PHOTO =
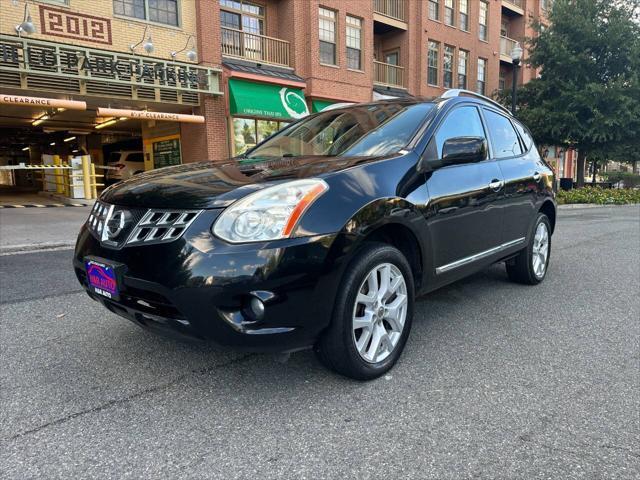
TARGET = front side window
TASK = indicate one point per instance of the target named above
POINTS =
(327, 30)
(159, 11)
(484, 13)
(432, 61)
(434, 9)
(504, 139)
(463, 7)
(463, 60)
(354, 43)
(462, 122)
(449, 13)
(482, 73)
(447, 66)
(367, 130)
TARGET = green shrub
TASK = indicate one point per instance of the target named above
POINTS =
(631, 180)
(599, 196)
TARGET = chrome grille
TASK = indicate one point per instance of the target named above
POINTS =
(159, 226)
(116, 226)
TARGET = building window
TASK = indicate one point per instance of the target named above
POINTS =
(447, 66)
(449, 12)
(463, 7)
(501, 81)
(432, 71)
(159, 11)
(327, 28)
(242, 15)
(483, 19)
(463, 60)
(434, 9)
(354, 43)
(482, 76)
(247, 132)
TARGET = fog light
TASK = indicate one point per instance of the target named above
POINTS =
(257, 308)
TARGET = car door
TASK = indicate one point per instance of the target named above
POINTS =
(465, 221)
(517, 161)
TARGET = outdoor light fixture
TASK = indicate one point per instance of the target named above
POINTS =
(69, 139)
(27, 25)
(146, 44)
(25, 149)
(516, 57)
(191, 53)
(107, 123)
(40, 120)
(52, 143)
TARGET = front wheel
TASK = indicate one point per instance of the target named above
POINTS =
(372, 315)
(531, 264)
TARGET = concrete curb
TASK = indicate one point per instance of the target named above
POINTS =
(37, 247)
(572, 206)
(68, 201)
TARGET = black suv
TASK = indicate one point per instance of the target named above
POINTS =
(322, 235)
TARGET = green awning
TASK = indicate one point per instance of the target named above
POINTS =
(266, 100)
(320, 105)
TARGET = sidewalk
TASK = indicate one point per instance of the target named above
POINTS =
(24, 229)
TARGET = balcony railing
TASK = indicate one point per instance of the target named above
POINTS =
(254, 47)
(390, 8)
(517, 3)
(388, 75)
(506, 46)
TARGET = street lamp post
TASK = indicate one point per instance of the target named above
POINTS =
(516, 57)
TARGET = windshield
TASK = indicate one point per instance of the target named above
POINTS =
(367, 130)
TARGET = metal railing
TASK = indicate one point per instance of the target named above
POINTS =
(258, 48)
(517, 3)
(391, 8)
(506, 45)
(387, 74)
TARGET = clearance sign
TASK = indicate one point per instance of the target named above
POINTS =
(42, 102)
(145, 115)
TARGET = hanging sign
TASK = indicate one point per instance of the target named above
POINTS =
(146, 115)
(40, 102)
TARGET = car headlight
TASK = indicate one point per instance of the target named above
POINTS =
(268, 214)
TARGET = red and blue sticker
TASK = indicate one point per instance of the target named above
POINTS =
(102, 279)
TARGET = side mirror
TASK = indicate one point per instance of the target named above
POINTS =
(460, 150)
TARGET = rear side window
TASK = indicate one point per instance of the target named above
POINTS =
(462, 122)
(524, 135)
(135, 157)
(503, 137)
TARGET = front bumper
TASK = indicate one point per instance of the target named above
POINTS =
(199, 287)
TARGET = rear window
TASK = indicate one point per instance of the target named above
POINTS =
(135, 157)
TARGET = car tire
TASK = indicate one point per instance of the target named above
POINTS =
(351, 350)
(531, 264)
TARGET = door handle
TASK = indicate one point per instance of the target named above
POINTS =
(536, 176)
(496, 185)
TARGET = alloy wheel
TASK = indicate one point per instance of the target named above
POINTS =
(380, 312)
(540, 250)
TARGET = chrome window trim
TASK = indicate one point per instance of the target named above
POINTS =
(478, 256)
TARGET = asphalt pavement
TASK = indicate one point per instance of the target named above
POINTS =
(498, 380)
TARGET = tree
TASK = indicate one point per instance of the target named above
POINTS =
(588, 92)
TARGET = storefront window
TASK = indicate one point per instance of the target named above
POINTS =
(249, 131)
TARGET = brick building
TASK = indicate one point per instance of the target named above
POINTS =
(245, 67)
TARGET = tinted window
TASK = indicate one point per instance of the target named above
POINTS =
(379, 129)
(462, 122)
(135, 157)
(503, 137)
(524, 135)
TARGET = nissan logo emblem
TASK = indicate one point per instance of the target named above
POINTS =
(114, 224)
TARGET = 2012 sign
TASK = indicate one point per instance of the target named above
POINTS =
(63, 23)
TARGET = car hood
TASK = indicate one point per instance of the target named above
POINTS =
(218, 184)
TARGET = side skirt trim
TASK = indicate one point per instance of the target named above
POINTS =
(478, 256)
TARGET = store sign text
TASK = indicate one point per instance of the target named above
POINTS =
(41, 58)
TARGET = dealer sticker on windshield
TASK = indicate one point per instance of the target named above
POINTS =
(102, 279)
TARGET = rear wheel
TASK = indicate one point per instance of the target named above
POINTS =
(530, 266)
(372, 316)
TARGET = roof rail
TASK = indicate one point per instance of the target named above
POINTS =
(458, 92)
